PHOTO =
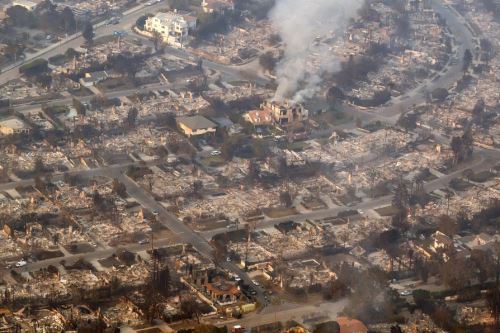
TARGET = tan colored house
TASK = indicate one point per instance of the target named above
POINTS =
(172, 27)
(196, 125)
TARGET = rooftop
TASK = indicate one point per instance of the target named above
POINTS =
(196, 122)
(13, 122)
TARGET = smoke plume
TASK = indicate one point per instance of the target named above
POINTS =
(306, 26)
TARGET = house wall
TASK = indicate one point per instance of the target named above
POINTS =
(189, 132)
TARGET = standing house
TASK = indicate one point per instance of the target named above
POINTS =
(27, 4)
(172, 27)
(196, 125)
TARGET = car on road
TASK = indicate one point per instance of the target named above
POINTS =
(256, 283)
(21, 263)
(156, 213)
(119, 33)
(237, 278)
(114, 21)
(215, 152)
(405, 293)
(143, 241)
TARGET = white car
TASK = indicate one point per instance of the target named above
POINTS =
(256, 283)
(21, 263)
(405, 292)
(215, 152)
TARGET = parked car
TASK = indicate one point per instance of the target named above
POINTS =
(21, 263)
(405, 292)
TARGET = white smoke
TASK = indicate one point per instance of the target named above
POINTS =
(303, 25)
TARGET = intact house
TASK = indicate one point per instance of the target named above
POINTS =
(13, 125)
(196, 125)
(26, 4)
(172, 27)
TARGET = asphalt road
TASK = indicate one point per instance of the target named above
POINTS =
(450, 74)
(182, 231)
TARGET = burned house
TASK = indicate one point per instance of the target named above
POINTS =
(286, 114)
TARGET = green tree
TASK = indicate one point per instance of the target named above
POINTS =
(69, 20)
(467, 60)
(267, 61)
(35, 68)
(478, 112)
(401, 197)
(327, 327)
(20, 16)
(132, 116)
(141, 21)
(231, 144)
(88, 33)
(440, 94)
